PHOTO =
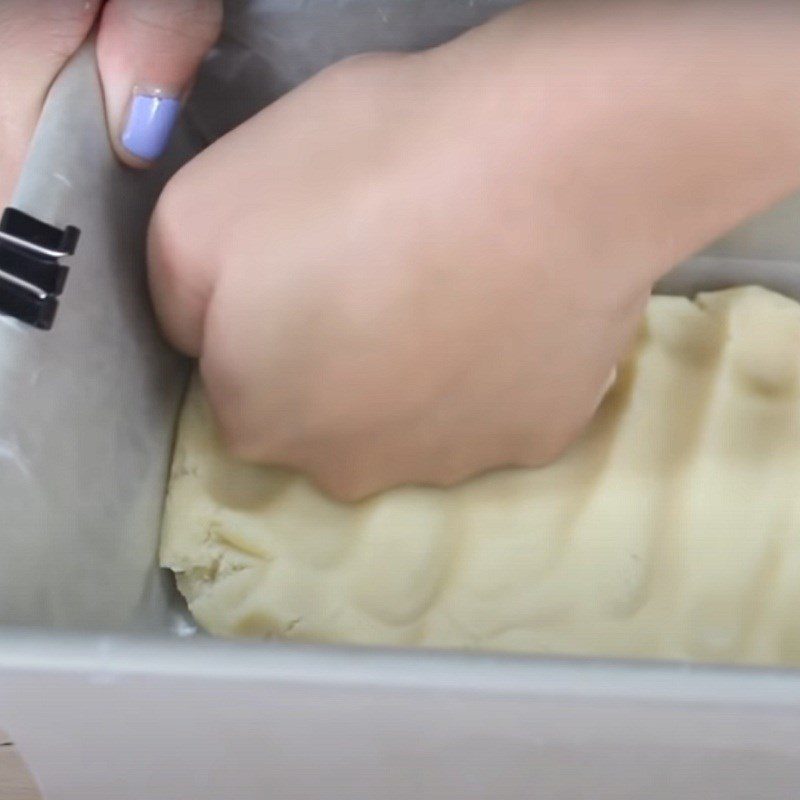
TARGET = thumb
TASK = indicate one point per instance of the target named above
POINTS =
(148, 52)
(37, 37)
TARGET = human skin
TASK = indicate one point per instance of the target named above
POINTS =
(154, 42)
(414, 268)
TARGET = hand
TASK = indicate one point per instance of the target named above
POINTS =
(417, 267)
(367, 293)
(153, 44)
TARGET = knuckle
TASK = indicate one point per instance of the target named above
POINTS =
(360, 71)
(447, 478)
(245, 430)
(368, 60)
(197, 20)
(68, 23)
(339, 473)
(345, 489)
(69, 12)
(240, 447)
(545, 448)
(167, 238)
(229, 423)
(181, 269)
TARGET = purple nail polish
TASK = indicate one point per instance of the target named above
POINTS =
(151, 119)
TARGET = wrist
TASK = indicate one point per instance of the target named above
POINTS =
(647, 130)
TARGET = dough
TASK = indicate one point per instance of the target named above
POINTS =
(672, 529)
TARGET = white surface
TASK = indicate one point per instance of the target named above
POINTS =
(122, 718)
(102, 719)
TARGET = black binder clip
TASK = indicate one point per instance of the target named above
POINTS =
(31, 277)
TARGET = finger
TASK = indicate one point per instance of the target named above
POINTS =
(37, 37)
(148, 52)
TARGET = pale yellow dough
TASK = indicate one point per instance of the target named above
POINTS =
(671, 530)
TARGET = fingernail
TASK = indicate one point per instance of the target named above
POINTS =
(607, 386)
(610, 381)
(151, 118)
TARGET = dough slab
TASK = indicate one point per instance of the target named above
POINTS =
(671, 530)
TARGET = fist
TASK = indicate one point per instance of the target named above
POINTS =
(384, 278)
